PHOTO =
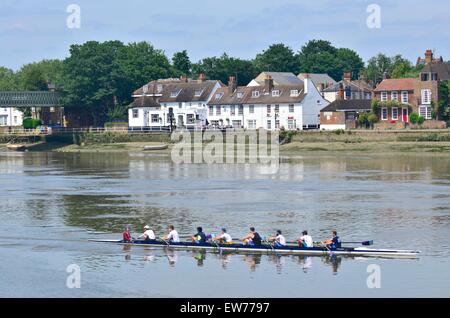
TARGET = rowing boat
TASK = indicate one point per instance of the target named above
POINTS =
(270, 249)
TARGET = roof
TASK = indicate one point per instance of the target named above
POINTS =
(223, 97)
(279, 78)
(145, 101)
(349, 105)
(178, 90)
(356, 86)
(441, 68)
(318, 78)
(396, 84)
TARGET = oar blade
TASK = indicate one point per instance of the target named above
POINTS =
(367, 243)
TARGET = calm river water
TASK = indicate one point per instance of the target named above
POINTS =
(52, 204)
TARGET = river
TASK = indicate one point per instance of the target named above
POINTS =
(53, 203)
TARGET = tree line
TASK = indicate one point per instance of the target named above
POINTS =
(101, 76)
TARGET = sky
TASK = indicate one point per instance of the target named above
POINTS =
(33, 30)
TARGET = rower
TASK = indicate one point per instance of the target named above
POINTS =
(334, 242)
(306, 240)
(126, 235)
(148, 235)
(252, 238)
(279, 239)
(173, 236)
(200, 237)
(224, 237)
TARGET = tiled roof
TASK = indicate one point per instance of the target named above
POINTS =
(441, 68)
(318, 78)
(279, 78)
(397, 84)
(356, 86)
(347, 105)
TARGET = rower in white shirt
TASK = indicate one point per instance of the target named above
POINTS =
(279, 239)
(306, 240)
(148, 234)
(224, 237)
(173, 236)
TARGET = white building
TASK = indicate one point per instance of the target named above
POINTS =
(10, 116)
(270, 106)
(186, 98)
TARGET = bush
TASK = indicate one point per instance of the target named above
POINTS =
(414, 118)
(362, 119)
(372, 118)
(421, 120)
(339, 131)
(30, 123)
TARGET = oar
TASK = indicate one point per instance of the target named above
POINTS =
(362, 243)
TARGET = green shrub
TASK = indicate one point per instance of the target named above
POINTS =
(414, 118)
(363, 119)
(421, 120)
(372, 118)
(339, 131)
(30, 123)
(116, 124)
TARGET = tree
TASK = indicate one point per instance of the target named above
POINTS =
(277, 58)
(319, 56)
(37, 76)
(181, 63)
(221, 68)
(378, 67)
(8, 80)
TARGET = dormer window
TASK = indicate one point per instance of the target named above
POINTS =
(240, 95)
(219, 95)
(145, 88)
(255, 94)
(159, 88)
(294, 92)
(276, 93)
(174, 94)
(198, 92)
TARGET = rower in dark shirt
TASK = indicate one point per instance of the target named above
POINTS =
(200, 237)
(334, 242)
(252, 238)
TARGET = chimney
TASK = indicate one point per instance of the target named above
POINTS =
(340, 94)
(201, 77)
(232, 85)
(268, 83)
(184, 79)
(347, 76)
(306, 84)
(428, 56)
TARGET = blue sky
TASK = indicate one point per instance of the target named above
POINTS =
(33, 30)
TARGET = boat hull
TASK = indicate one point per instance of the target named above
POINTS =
(268, 249)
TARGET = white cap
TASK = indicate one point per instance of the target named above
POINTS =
(146, 227)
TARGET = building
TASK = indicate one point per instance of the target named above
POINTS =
(321, 81)
(185, 98)
(353, 89)
(279, 78)
(10, 116)
(398, 99)
(271, 106)
(343, 114)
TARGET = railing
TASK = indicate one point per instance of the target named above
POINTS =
(62, 130)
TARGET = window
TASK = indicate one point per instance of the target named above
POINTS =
(52, 109)
(255, 94)
(241, 110)
(15, 120)
(237, 123)
(198, 92)
(276, 93)
(291, 108)
(240, 95)
(211, 110)
(218, 110)
(394, 96)
(190, 118)
(291, 124)
(145, 88)
(232, 110)
(277, 109)
(434, 76)
(219, 95)
(424, 77)
(384, 96)
(174, 94)
(269, 125)
(159, 88)
(251, 124)
(405, 97)
(135, 113)
(394, 113)
(155, 119)
(269, 109)
(426, 96)
(277, 124)
(294, 92)
(251, 109)
(425, 111)
(3, 120)
(384, 113)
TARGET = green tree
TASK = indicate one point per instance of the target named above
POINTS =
(221, 68)
(378, 67)
(8, 80)
(181, 63)
(37, 76)
(277, 58)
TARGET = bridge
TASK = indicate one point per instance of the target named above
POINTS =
(22, 99)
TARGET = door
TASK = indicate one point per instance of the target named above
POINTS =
(405, 116)
(146, 119)
(180, 122)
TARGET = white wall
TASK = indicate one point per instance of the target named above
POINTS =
(10, 117)
(312, 104)
(332, 127)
